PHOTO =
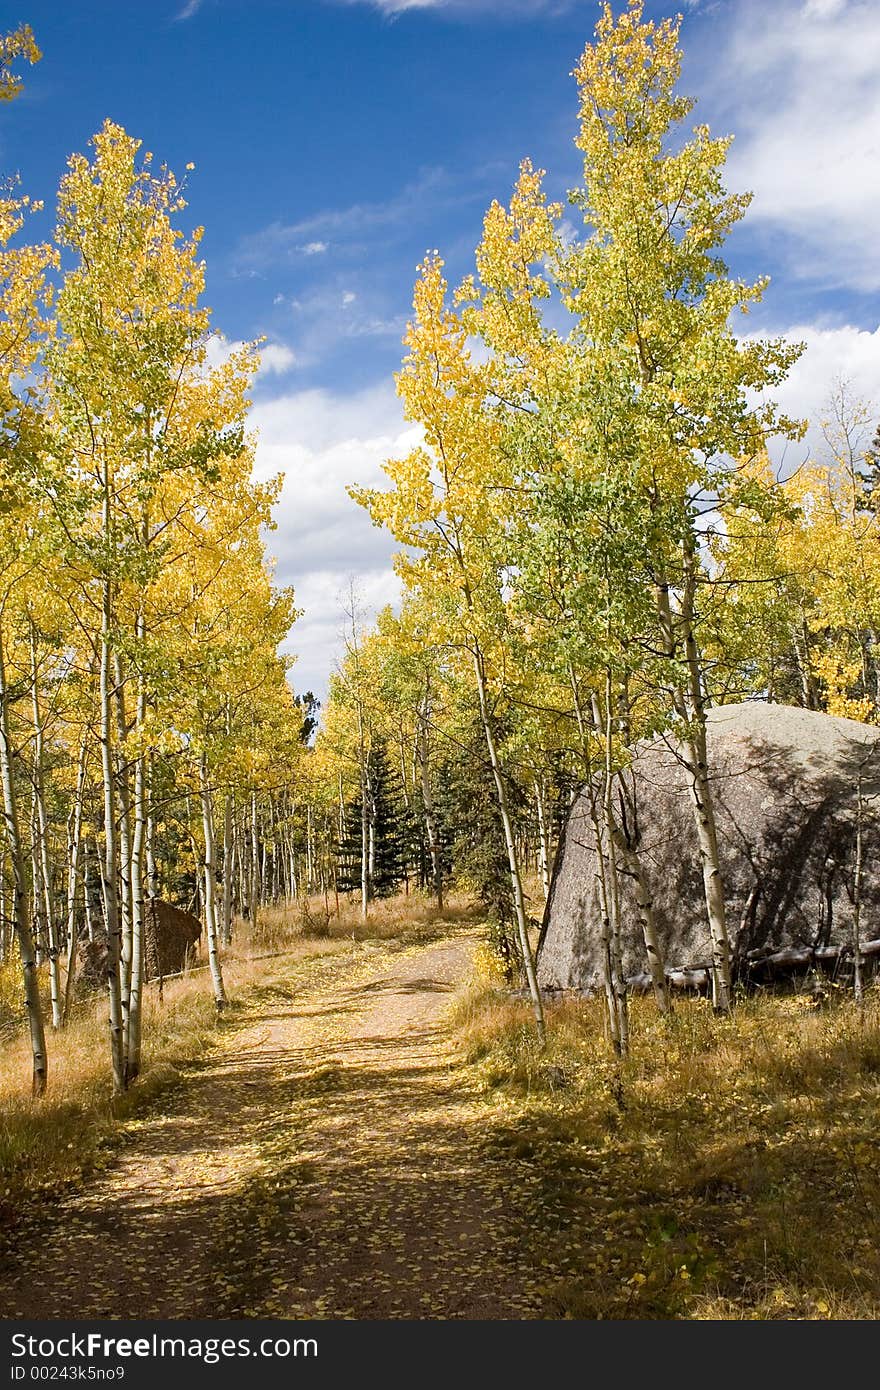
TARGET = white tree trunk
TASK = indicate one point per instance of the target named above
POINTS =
(20, 905)
(138, 905)
(510, 843)
(73, 854)
(428, 803)
(42, 867)
(111, 857)
(125, 851)
(543, 848)
(211, 886)
(228, 866)
(690, 706)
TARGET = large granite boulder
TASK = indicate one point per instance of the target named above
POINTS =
(790, 787)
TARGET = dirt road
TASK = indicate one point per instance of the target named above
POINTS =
(326, 1162)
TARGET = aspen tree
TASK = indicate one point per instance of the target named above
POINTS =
(446, 501)
(24, 300)
(145, 436)
(653, 301)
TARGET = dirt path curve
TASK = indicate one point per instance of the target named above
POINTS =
(325, 1163)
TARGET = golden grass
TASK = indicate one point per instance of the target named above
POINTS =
(729, 1169)
(409, 917)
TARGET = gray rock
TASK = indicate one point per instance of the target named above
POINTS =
(785, 785)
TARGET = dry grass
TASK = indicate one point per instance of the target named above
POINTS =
(729, 1169)
(406, 917)
(10, 996)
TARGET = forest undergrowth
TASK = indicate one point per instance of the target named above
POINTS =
(728, 1169)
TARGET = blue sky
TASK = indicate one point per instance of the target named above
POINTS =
(336, 140)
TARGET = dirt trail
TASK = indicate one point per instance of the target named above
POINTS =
(327, 1163)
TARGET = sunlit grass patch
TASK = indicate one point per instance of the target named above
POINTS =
(410, 917)
(727, 1169)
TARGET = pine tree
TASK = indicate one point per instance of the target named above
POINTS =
(390, 832)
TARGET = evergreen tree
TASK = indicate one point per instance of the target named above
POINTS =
(391, 832)
(477, 843)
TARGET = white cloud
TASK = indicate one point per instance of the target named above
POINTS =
(322, 442)
(512, 8)
(317, 638)
(832, 354)
(823, 9)
(797, 84)
(190, 8)
(276, 359)
(415, 204)
(319, 324)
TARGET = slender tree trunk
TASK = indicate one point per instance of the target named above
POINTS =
(604, 890)
(600, 890)
(510, 843)
(701, 794)
(198, 886)
(274, 892)
(645, 903)
(625, 837)
(801, 645)
(138, 905)
(365, 820)
(617, 975)
(228, 865)
(428, 804)
(153, 884)
(5, 927)
(310, 851)
(372, 856)
(20, 906)
(858, 983)
(543, 849)
(690, 706)
(91, 882)
(125, 850)
(73, 853)
(42, 893)
(111, 857)
(255, 865)
(41, 848)
(211, 886)
(41, 936)
(238, 841)
(601, 887)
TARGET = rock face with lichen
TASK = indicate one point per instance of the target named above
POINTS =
(791, 788)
